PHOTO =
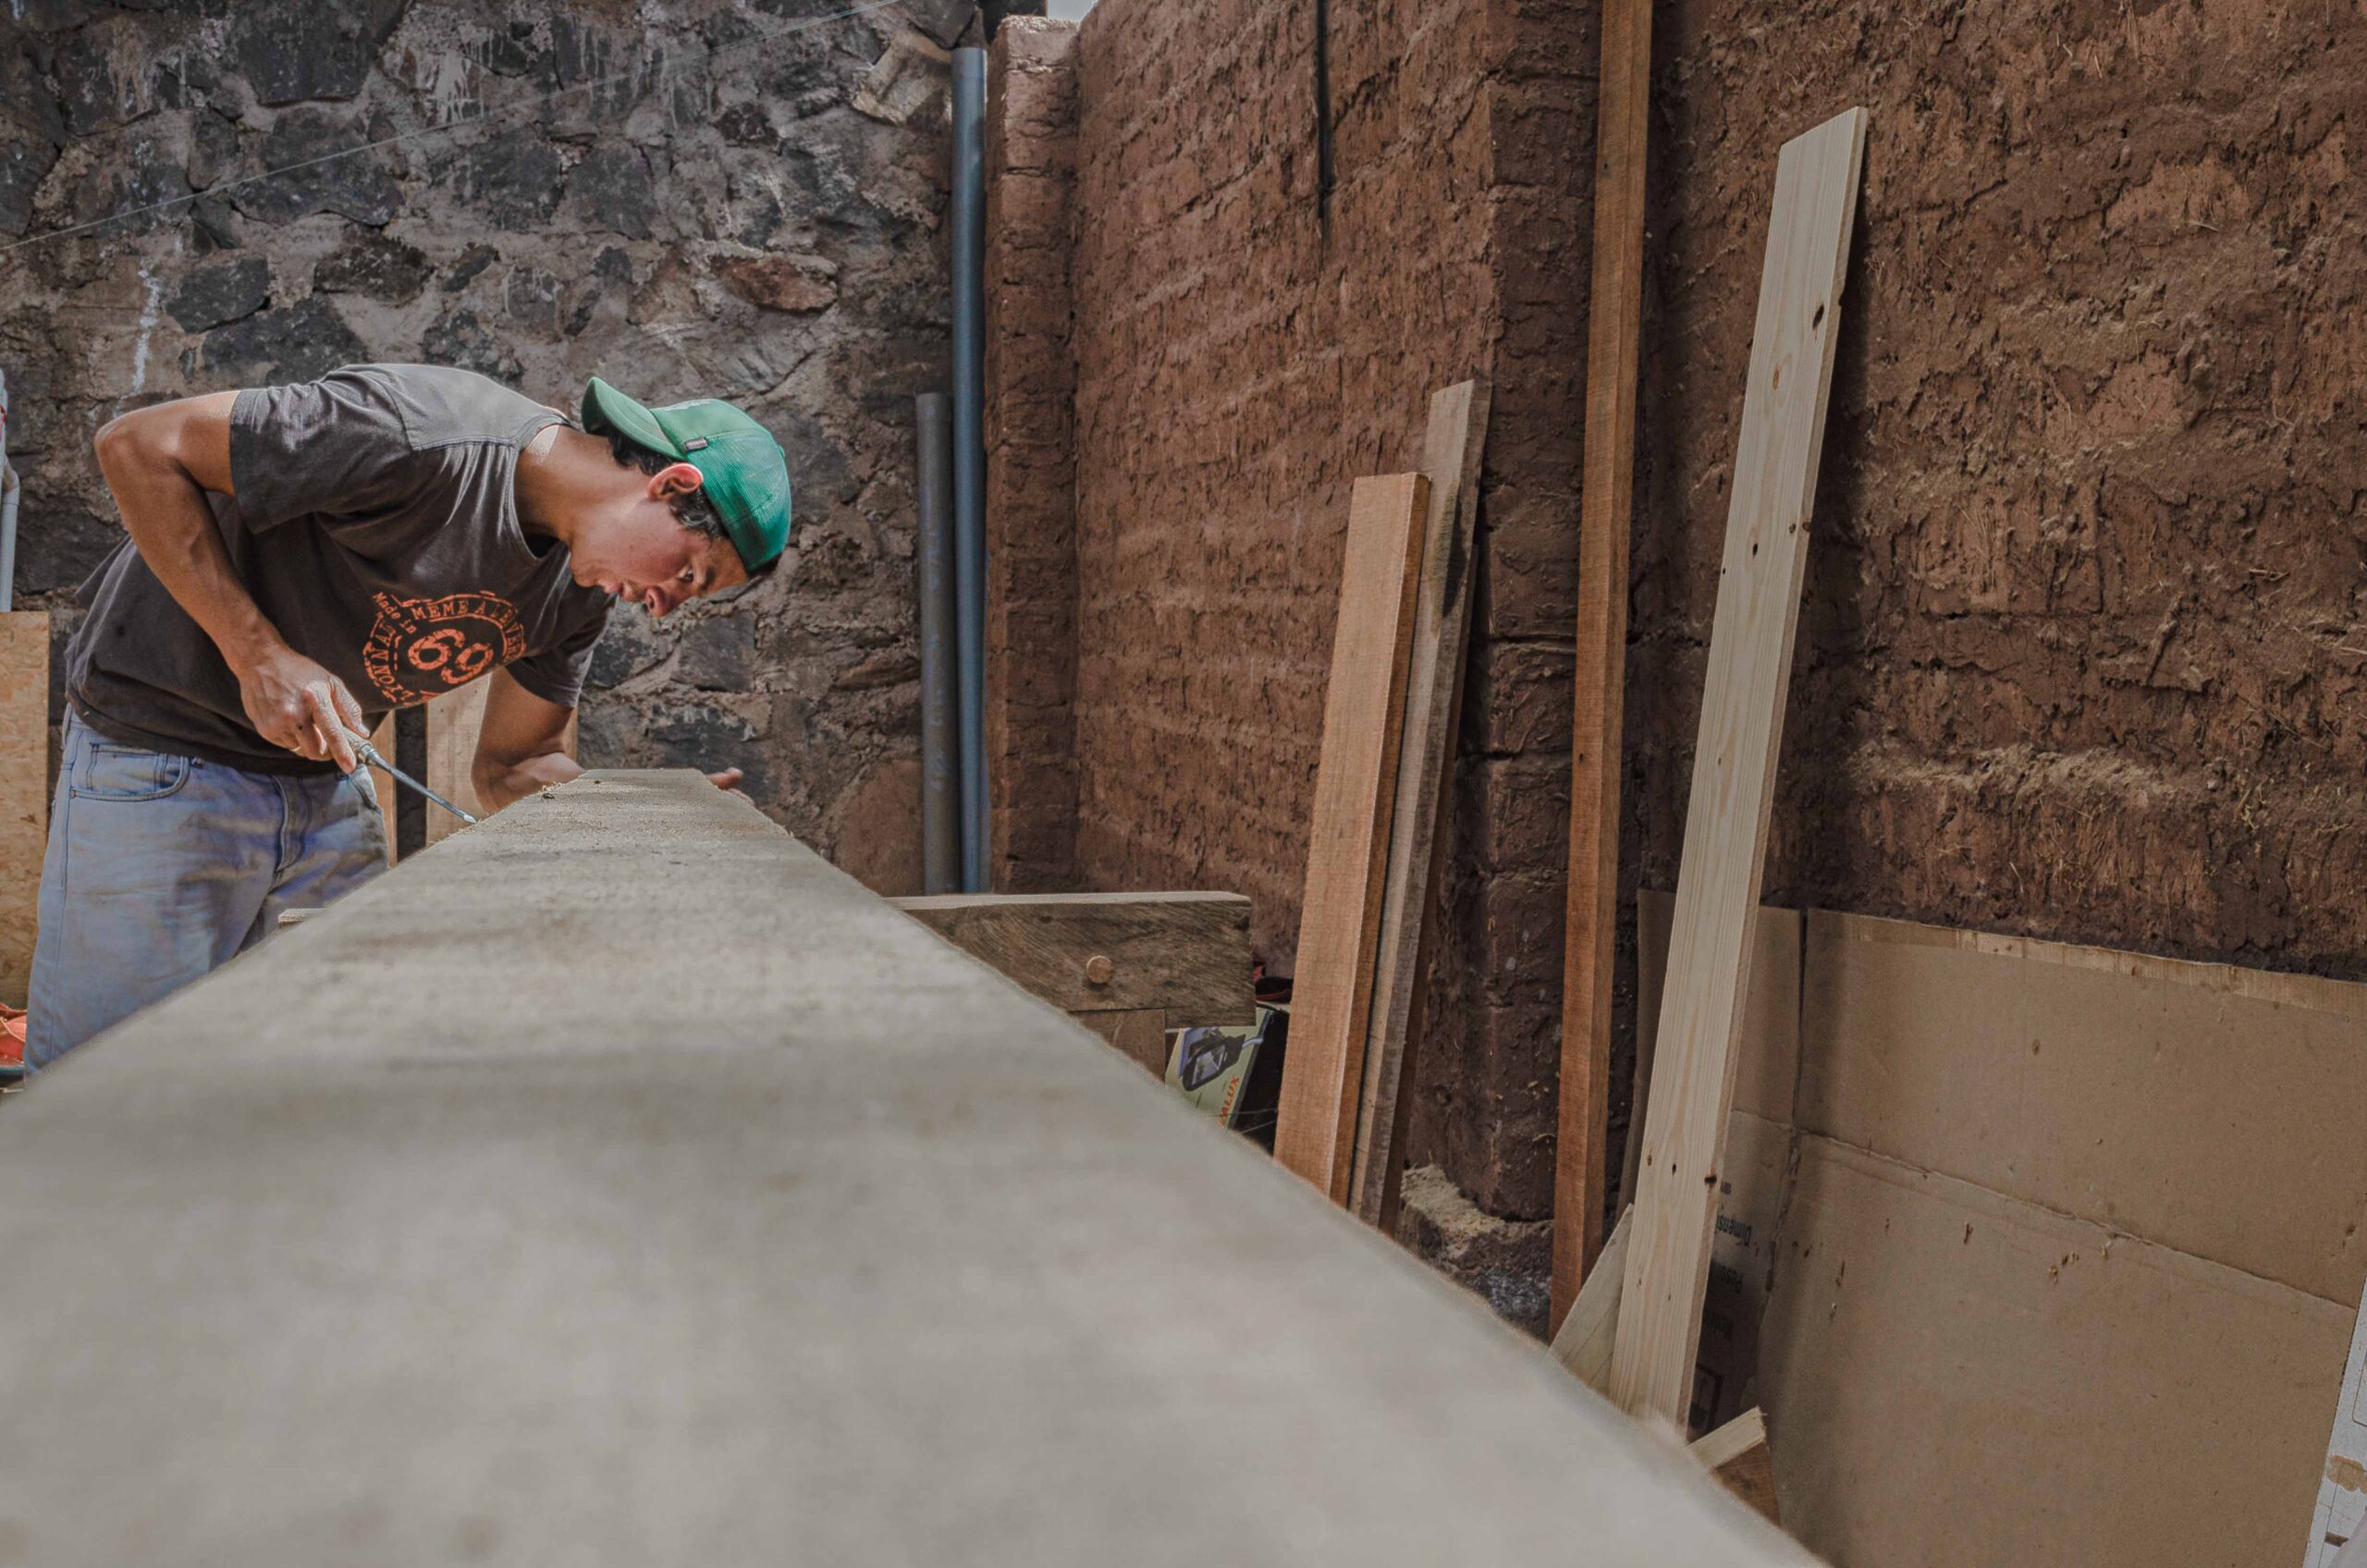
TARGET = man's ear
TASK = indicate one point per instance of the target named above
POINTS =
(674, 479)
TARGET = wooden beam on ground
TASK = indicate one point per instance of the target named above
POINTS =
(1737, 1455)
(1583, 1342)
(1356, 784)
(1614, 311)
(402, 1229)
(24, 790)
(1734, 768)
(1418, 834)
(1183, 954)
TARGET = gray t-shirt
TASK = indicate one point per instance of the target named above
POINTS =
(376, 526)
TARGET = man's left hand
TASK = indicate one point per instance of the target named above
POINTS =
(729, 777)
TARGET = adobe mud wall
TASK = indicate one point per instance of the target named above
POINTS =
(700, 210)
(2077, 650)
(1031, 456)
(2082, 652)
(1247, 344)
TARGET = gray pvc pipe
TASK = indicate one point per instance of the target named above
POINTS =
(969, 449)
(9, 490)
(940, 721)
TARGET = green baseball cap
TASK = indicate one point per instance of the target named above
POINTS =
(743, 472)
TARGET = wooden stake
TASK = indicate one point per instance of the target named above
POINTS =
(1355, 782)
(1736, 1454)
(1583, 1343)
(1418, 834)
(1613, 313)
(1733, 766)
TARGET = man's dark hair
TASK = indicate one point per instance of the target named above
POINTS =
(691, 508)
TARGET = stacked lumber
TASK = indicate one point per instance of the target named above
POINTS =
(1348, 844)
(1366, 927)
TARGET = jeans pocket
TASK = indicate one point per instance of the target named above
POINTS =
(126, 773)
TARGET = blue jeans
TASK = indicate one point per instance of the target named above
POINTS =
(163, 867)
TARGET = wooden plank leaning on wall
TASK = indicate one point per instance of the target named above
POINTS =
(1734, 768)
(1614, 311)
(24, 790)
(1355, 783)
(1418, 834)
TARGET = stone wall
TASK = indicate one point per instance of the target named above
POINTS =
(686, 201)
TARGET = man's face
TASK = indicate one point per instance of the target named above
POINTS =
(640, 553)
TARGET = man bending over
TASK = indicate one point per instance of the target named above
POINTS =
(301, 560)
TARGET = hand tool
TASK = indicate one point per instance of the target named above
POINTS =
(369, 753)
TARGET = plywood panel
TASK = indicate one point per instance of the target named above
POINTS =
(1450, 450)
(1733, 767)
(2201, 1106)
(1958, 1379)
(1355, 782)
(2160, 1098)
(24, 790)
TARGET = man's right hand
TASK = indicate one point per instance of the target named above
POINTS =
(293, 702)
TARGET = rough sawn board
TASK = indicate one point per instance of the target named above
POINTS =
(1451, 450)
(1355, 782)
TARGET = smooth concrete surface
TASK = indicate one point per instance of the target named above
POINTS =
(618, 1183)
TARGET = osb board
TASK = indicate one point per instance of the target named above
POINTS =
(24, 790)
(2189, 1114)
(1957, 1379)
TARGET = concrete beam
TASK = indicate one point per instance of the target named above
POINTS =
(618, 1183)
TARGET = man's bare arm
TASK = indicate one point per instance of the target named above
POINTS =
(160, 461)
(521, 749)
